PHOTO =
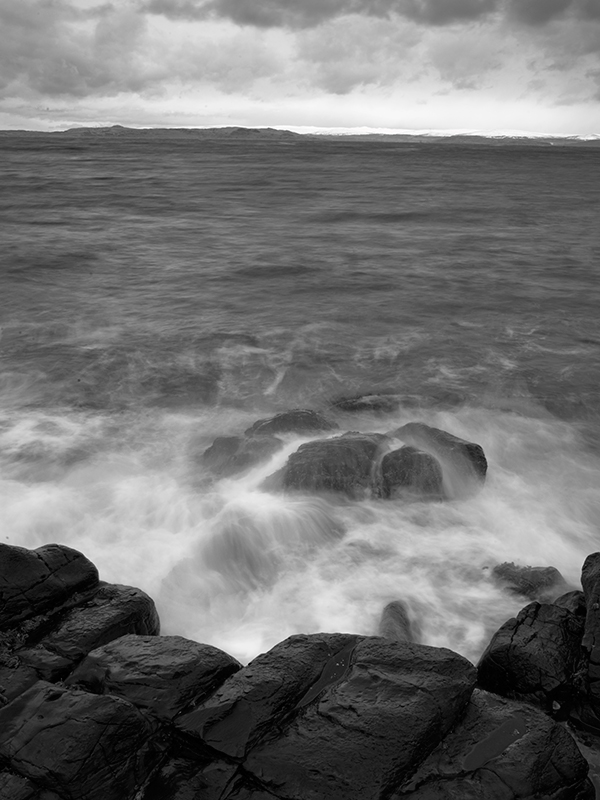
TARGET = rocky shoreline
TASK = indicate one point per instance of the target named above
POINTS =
(96, 705)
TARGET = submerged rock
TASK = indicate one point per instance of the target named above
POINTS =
(382, 403)
(537, 583)
(502, 749)
(229, 455)
(298, 420)
(464, 464)
(411, 472)
(343, 464)
(534, 656)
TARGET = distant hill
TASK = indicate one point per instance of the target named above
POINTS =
(272, 135)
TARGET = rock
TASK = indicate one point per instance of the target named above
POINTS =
(382, 403)
(160, 674)
(299, 421)
(395, 623)
(409, 471)
(369, 729)
(464, 465)
(261, 694)
(501, 750)
(15, 787)
(586, 712)
(33, 581)
(112, 612)
(344, 464)
(79, 745)
(183, 779)
(537, 583)
(573, 602)
(229, 455)
(534, 656)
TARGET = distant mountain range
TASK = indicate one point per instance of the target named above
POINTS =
(498, 139)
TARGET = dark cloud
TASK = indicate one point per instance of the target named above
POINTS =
(541, 12)
(297, 14)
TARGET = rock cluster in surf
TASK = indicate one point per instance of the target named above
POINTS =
(431, 464)
(96, 705)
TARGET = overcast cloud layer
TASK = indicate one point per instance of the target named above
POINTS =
(443, 64)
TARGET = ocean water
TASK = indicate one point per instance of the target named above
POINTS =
(158, 292)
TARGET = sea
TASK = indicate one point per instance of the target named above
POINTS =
(159, 291)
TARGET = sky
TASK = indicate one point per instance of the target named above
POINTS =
(481, 65)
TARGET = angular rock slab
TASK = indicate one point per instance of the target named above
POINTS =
(81, 746)
(590, 580)
(34, 581)
(534, 655)
(268, 689)
(112, 612)
(464, 464)
(182, 779)
(298, 420)
(16, 787)
(368, 730)
(344, 464)
(161, 674)
(502, 750)
(409, 471)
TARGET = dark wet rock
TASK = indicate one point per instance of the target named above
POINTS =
(395, 623)
(184, 779)
(501, 750)
(16, 787)
(261, 694)
(33, 581)
(464, 464)
(573, 602)
(79, 745)
(534, 656)
(113, 611)
(229, 455)
(367, 730)
(411, 472)
(536, 583)
(343, 464)
(299, 421)
(382, 403)
(160, 674)
(586, 711)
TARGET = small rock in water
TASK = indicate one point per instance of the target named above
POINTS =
(536, 583)
(382, 403)
(395, 623)
(229, 455)
(296, 421)
(464, 465)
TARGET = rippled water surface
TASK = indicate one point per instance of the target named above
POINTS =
(156, 294)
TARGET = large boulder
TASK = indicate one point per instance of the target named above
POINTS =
(344, 464)
(464, 464)
(160, 674)
(79, 745)
(586, 711)
(536, 583)
(33, 581)
(230, 455)
(501, 750)
(409, 472)
(300, 421)
(261, 694)
(534, 656)
(368, 729)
